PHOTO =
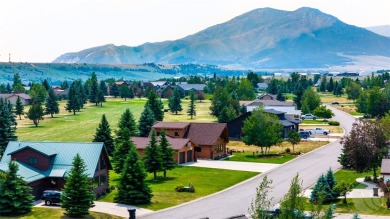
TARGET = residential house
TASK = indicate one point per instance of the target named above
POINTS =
(385, 170)
(183, 147)
(210, 139)
(44, 165)
(235, 126)
(284, 106)
(266, 96)
(186, 88)
(24, 98)
(167, 91)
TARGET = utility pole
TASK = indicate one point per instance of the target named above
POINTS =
(9, 58)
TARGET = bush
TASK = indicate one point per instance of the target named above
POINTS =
(288, 150)
(166, 110)
(112, 188)
(334, 123)
(367, 179)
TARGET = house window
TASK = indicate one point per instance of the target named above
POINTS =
(32, 161)
(96, 181)
(103, 179)
(198, 149)
(176, 133)
(157, 133)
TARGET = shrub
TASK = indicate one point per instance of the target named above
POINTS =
(367, 179)
(166, 110)
(334, 123)
(288, 150)
(112, 188)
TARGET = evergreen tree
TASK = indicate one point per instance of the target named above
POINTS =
(19, 108)
(122, 146)
(51, 103)
(330, 86)
(152, 159)
(101, 98)
(7, 125)
(220, 99)
(168, 163)
(131, 93)
(15, 194)
(280, 96)
(127, 121)
(46, 85)
(125, 91)
(36, 113)
(9, 88)
(103, 87)
(114, 90)
(81, 93)
(74, 100)
(175, 101)
(146, 121)
(77, 197)
(132, 188)
(155, 105)
(103, 134)
(228, 114)
(192, 108)
(323, 84)
(17, 81)
(94, 90)
(321, 187)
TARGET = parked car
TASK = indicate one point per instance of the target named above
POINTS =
(304, 134)
(309, 116)
(51, 197)
(318, 131)
(335, 103)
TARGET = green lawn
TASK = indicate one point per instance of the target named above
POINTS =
(249, 157)
(369, 206)
(317, 121)
(66, 127)
(351, 176)
(205, 180)
(44, 213)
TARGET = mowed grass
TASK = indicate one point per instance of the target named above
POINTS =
(351, 109)
(205, 180)
(44, 213)
(327, 97)
(246, 153)
(66, 127)
(367, 206)
(311, 122)
(350, 176)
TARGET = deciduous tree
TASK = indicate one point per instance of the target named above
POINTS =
(228, 114)
(294, 138)
(125, 91)
(292, 204)
(261, 204)
(310, 101)
(35, 113)
(323, 112)
(38, 93)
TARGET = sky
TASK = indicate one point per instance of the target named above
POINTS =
(42, 30)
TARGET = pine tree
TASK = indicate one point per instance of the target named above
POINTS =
(175, 101)
(103, 87)
(101, 98)
(192, 108)
(125, 91)
(51, 103)
(132, 188)
(19, 108)
(331, 85)
(82, 93)
(122, 146)
(74, 100)
(77, 196)
(152, 159)
(15, 194)
(321, 187)
(114, 90)
(7, 125)
(94, 90)
(146, 121)
(280, 96)
(227, 114)
(127, 121)
(103, 134)
(167, 153)
(332, 183)
(35, 113)
(46, 85)
(155, 105)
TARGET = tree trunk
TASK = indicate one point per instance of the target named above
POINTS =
(96, 103)
(74, 112)
(155, 176)
(175, 112)
(51, 115)
(375, 176)
(165, 174)
(35, 122)
(20, 117)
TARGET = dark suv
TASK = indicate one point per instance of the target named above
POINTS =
(304, 134)
(51, 197)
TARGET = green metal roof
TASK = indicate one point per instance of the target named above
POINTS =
(64, 153)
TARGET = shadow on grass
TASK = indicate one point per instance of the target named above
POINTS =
(160, 180)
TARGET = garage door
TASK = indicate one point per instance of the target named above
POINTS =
(189, 156)
(182, 157)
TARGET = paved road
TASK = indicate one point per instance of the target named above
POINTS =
(237, 199)
(233, 165)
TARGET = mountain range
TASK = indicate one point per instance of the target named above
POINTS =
(383, 30)
(259, 39)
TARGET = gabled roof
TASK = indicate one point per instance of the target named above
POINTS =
(158, 83)
(188, 87)
(172, 125)
(176, 143)
(207, 133)
(385, 167)
(64, 154)
(270, 103)
(21, 95)
(272, 111)
(292, 120)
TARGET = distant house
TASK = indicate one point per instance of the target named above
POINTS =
(167, 91)
(210, 139)
(385, 169)
(44, 165)
(266, 96)
(25, 98)
(235, 126)
(284, 106)
(262, 86)
(183, 147)
(186, 88)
